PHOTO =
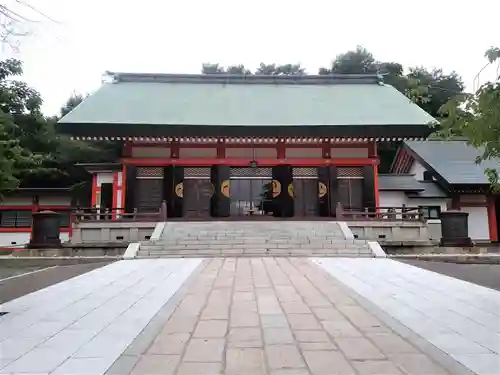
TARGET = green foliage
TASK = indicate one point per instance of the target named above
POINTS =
(15, 161)
(32, 153)
(263, 69)
(476, 116)
(18, 103)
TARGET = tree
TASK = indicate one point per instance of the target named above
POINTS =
(263, 69)
(40, 156)
(277, 70)
(209, 68)
(18, 102)
(358, 61)
(73, 101)
(17, 21)
(436, 88)
(15, 161)
(476, 116)
(428, 89)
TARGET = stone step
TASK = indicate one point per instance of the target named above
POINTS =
(188, 240)
(223, 239)
(254, 253)
(196, 246)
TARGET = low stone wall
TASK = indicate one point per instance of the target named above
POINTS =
(387, 232)
(104, 232)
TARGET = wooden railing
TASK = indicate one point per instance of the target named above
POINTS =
(402, 213)
(92, 214)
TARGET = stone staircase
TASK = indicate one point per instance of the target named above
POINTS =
(253, 239)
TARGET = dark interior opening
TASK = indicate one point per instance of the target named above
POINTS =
(106, 195)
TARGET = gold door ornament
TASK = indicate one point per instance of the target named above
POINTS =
(209, 189)
(276, 188)
(179, 190)
(224, 188)
(322, 190)
(291, 192)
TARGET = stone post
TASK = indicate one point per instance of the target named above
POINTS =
(163, 211)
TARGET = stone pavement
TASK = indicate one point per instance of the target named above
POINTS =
(276, 316)
(82, 325)
(460, 318)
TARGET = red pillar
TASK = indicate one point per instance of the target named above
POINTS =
(373, 153)
(96, 190)
(492, 219)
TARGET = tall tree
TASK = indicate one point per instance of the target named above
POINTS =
(357, 61)
(430, 89)
(263, 69)
(17, 101)
(209, 68)
(276, 70)
(437, 88)
(476, 116)
(17, 20)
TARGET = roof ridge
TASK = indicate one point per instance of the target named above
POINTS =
(305, 79)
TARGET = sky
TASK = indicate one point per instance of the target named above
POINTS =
(87, 38)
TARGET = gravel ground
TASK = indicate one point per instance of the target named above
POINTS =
(19, 286)
(481, 274)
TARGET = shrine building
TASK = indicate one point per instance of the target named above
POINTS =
(232, 146)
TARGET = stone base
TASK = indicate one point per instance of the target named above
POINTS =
(456, 241)
(46, 245)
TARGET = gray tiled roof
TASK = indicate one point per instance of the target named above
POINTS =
(410, 185)
(431, 190)
(453, 160)
(246, 101)
(398, 182)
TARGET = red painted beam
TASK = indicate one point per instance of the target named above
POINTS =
(149, 162)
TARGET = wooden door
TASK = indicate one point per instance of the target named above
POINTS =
(305, 197)
(197, 194)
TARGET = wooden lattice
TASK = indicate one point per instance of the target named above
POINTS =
(197, 172)
(251, 172)
(350, 172)
(305, 172)
(150, 172)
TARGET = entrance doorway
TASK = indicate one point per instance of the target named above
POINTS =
(305, 191)
(305, 197)
(197, 195)
(251, 191)
(251, 196)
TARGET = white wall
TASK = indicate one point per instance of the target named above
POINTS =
(51, 200)
(478, 216)
(10, 240)
(398, 198)
(418, 170)
(478, 223)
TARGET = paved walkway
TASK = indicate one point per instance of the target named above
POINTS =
(276, 316)
(460, 318)
(253, 316)
(81, 326)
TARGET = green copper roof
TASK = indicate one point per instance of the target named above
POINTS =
(257, 101)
